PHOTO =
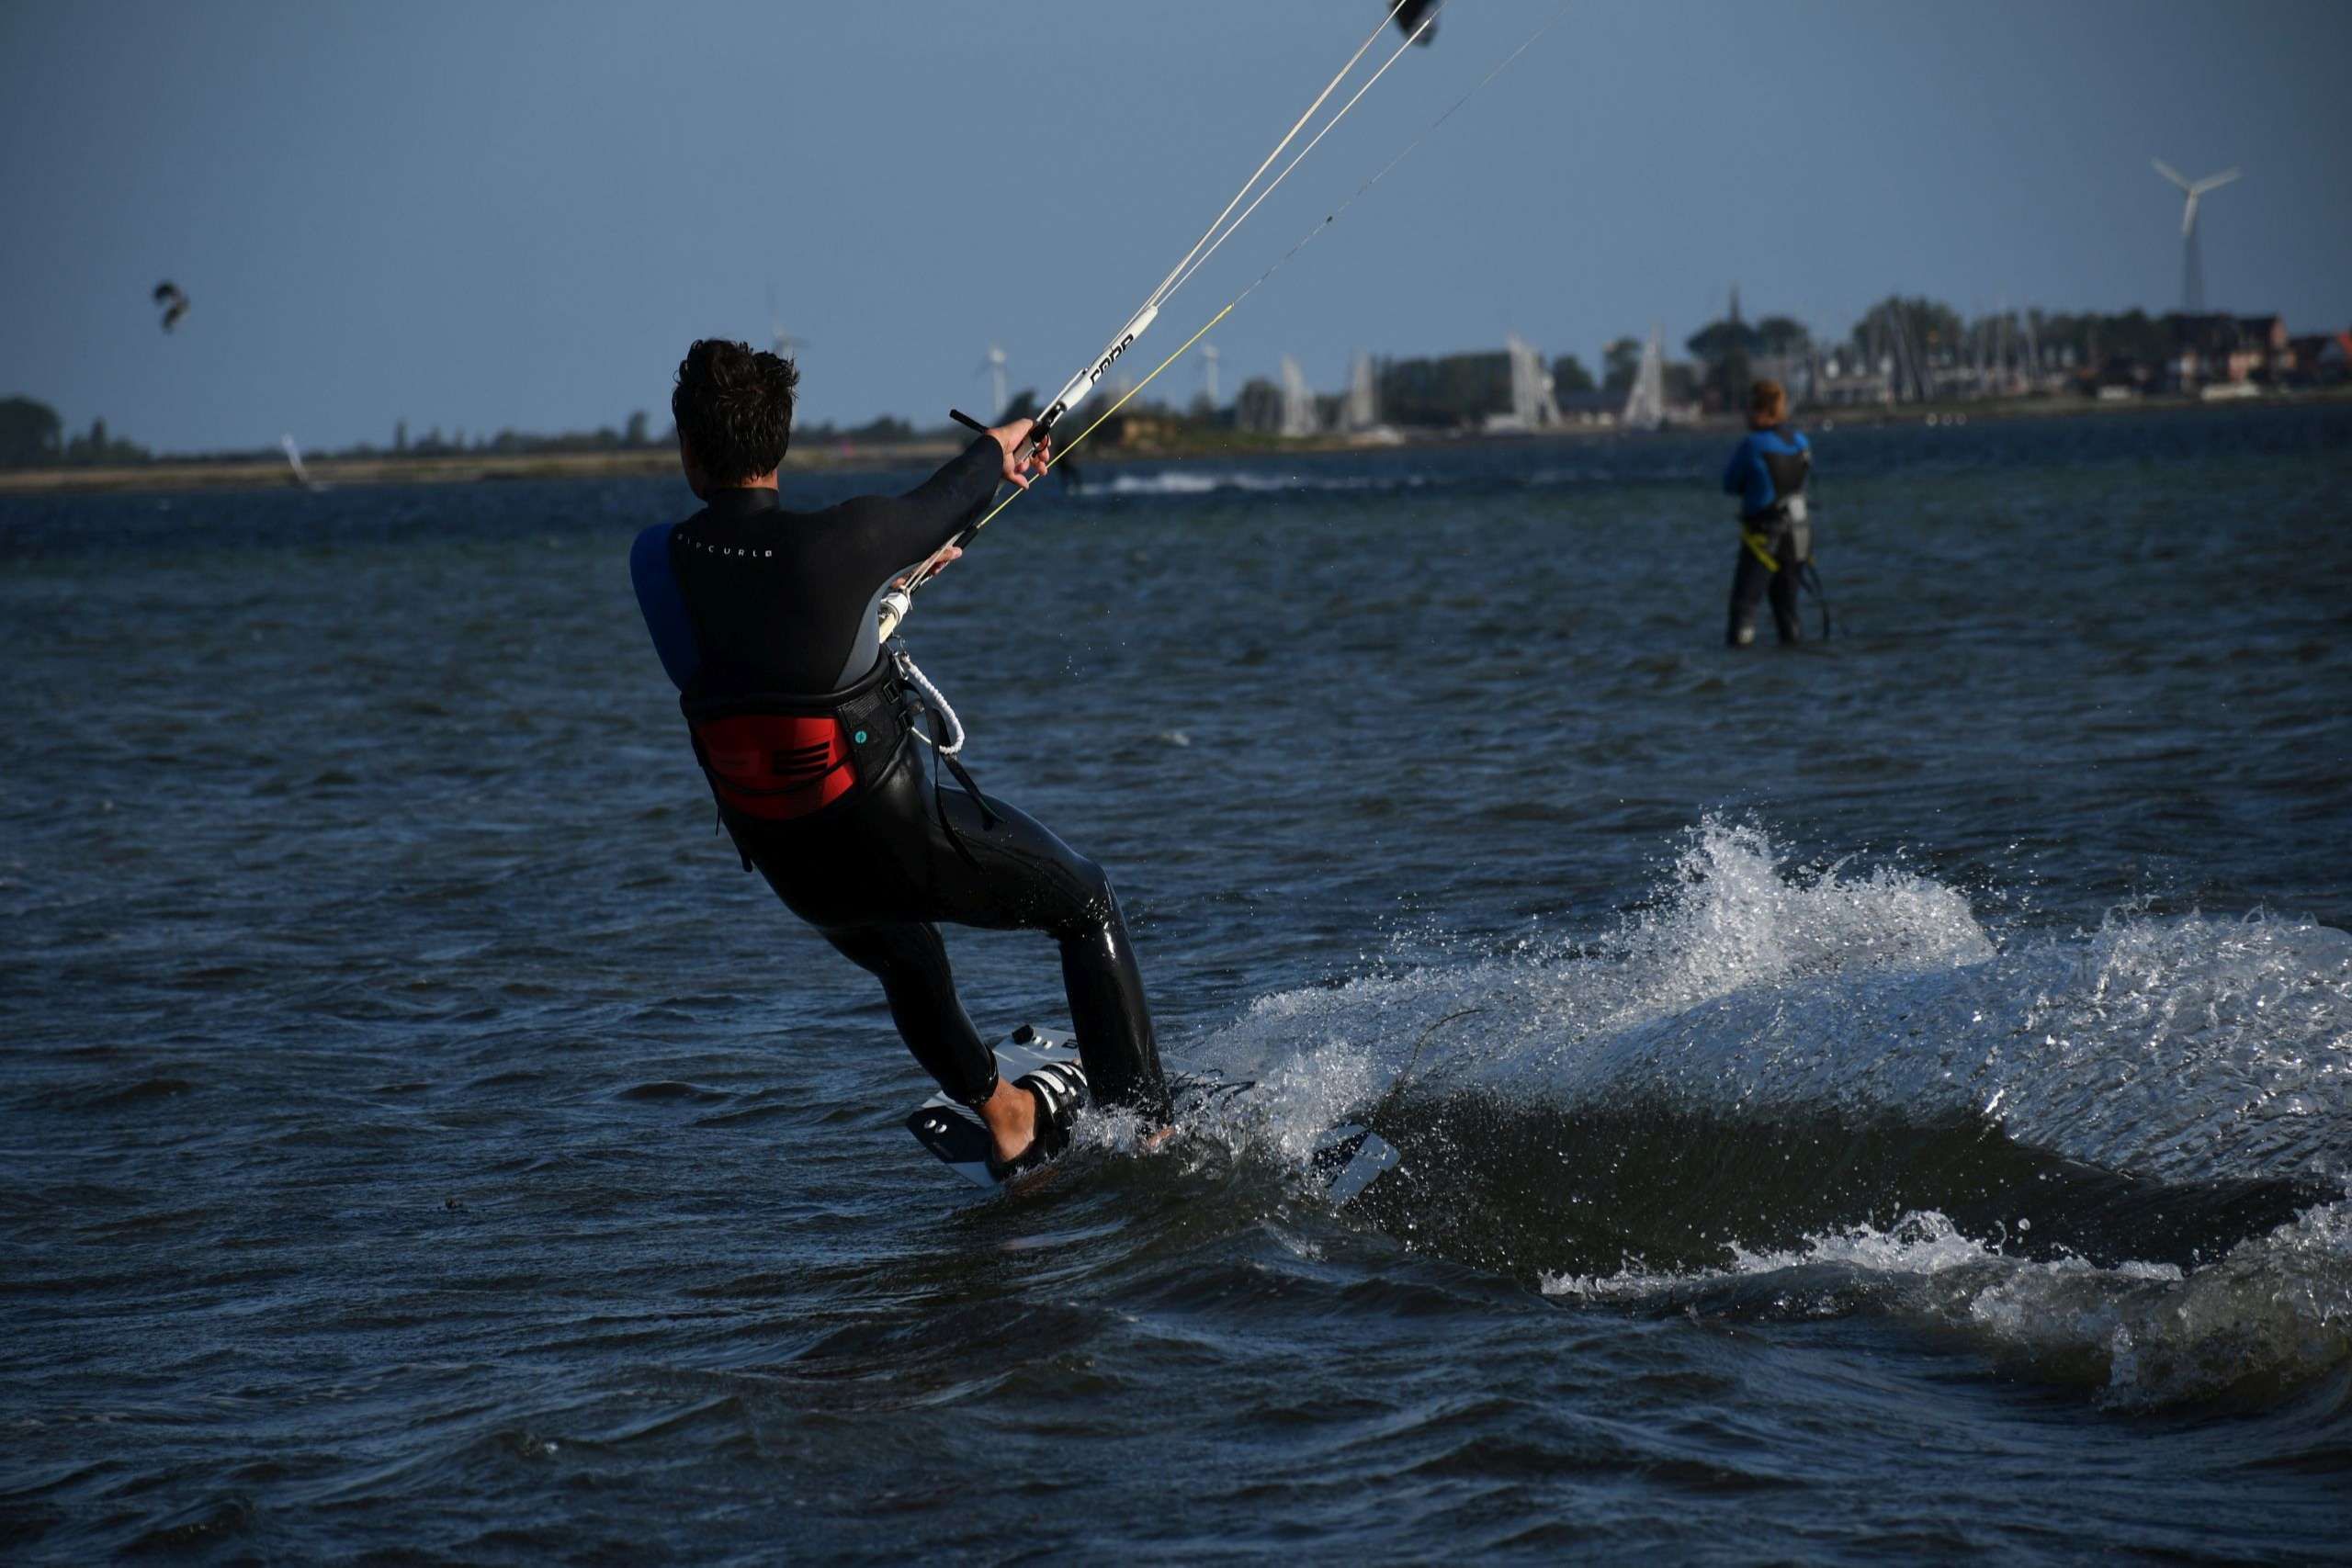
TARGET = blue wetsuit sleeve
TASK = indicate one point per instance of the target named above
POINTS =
(664, 604)
(1748, 479)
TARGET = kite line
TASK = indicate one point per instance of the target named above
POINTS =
(899, 601)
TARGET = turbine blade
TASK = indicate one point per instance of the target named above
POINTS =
(2189, 217)
(2168, 172)
(2215, 182)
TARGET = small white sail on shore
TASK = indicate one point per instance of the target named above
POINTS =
(294, 462)
(1645, 403)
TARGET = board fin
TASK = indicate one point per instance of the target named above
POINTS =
(1348, 1159)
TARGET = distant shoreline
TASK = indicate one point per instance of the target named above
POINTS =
(270, 473)
(455, 467)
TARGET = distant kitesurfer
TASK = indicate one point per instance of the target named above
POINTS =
(802, 722)
(1767, 473)
(174, 303)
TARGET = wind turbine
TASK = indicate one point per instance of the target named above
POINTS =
(993, 366)
(787, 345)
(2192, 263)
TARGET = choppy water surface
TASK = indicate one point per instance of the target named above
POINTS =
(1885, 1100)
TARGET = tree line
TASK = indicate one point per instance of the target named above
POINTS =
(32, 437)
(1441, 391)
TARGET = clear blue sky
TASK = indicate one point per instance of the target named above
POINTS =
(516, 214)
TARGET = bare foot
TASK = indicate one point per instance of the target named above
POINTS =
(1011, 1114)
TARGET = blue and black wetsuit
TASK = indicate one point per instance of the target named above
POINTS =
(765, 620)
(1768, 473)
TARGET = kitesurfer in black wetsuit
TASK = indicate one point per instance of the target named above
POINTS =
(765, 620)
(1769, 473)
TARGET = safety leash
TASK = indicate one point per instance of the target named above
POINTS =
(950, 742)
(1809, 576)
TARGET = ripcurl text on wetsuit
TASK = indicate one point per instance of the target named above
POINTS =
(1768, 473)
(765, 620)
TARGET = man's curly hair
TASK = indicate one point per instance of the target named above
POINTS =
(734, 408)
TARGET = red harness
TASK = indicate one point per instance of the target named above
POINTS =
(775, 758)
(775, 765)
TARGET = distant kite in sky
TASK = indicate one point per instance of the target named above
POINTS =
(1410, 15)
(174, 303)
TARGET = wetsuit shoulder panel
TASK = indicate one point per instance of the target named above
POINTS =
(1748, 478)
(663, 605)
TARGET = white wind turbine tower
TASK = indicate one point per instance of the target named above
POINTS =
(2192, 263)
(994, 367)
(787, 345)
(1208, 371)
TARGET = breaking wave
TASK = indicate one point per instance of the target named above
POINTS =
(2115, 1158)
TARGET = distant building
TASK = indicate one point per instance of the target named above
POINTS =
(2120, 376)
(1594, 407)
(2209, 349)
(1146, 430)
(2323, 359)
(1846, 380)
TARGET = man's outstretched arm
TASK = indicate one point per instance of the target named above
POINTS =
(895, 531)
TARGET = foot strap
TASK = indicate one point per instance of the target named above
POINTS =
(1060, 1089)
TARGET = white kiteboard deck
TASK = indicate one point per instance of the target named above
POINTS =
(1346, 1159)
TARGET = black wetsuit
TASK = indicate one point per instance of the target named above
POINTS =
(1767, 473)
(746, 598)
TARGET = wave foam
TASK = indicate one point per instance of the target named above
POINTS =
(2271, 1317)
(1191, 481)
(2188, 1048)
(1766, 1053)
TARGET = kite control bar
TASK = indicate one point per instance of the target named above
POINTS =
(895, 605)
(1080, 385)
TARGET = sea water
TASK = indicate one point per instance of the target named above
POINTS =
(1880, 1100)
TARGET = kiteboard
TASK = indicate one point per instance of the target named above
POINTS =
(1346, 1158)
